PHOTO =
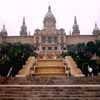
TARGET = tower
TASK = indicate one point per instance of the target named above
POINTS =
(4, 31)
(23, 31)
(96, 30)
(49, 20)
(76, 30)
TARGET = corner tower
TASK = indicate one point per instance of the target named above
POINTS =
(23, 31)
(96, 30)
(4, 31)
(76, 30)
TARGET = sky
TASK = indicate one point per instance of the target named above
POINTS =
(12, 12)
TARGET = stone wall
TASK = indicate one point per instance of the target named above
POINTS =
(80, 39)
(0, 39)
(21, 39)
(67, 39)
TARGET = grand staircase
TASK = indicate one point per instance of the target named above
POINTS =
(48, 81)
(70, 89)
(50, 68)
(32, 92)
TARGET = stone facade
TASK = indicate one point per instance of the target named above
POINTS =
(50, 38)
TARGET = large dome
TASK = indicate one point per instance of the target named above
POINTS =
(49, 16)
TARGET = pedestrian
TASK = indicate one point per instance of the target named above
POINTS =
(90, 71)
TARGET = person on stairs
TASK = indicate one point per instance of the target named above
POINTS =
(90, 71)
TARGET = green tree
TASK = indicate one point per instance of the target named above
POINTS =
(14, 56)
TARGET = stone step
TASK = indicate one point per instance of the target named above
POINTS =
(47, 75)
(49, 62)
(49, 93)
(48, 70)
(56, 66)
(50, 59)
(57, 79)
(50, 66)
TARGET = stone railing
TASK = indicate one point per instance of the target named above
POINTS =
(27, 68)
(72, 66)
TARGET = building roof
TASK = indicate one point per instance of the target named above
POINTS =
(49, 14)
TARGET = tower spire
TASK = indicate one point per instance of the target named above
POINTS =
(96, 30)
(4, 27)
(49, 8)
(75, 20)
(4, 31)
(23, 31)
(23, 20)
(96, 26)
(76, 30)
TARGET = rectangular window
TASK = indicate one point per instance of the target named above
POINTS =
(49, 39)
(55, 48)
(43, 39)
(43, 48)
(49, 48)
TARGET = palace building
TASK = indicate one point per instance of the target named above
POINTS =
(50, 38)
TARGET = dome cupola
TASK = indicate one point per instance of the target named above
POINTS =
(96, 30)
(49, 19)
